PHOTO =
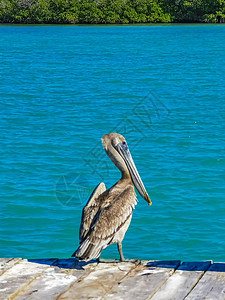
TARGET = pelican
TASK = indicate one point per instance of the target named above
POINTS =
(107, 214)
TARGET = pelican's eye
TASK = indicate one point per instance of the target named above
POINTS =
(124, 146)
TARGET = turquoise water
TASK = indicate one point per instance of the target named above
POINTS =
(162, 87)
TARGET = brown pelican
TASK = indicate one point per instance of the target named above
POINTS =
(107, 214)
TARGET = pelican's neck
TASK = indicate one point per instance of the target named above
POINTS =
(125, 175)
(124, 181)
(119, 162)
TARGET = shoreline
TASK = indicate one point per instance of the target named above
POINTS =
(111, 12)
(114, 25)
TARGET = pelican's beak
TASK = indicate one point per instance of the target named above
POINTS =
(125, 154)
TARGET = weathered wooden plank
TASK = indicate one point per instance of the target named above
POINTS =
(179, 285)
(143, 281)
(70, 279)
(53, 281)
(100, 280)
(18, 277)
(7, 263)
(211, 286)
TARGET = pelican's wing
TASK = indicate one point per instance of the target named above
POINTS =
(90, 210)
(112, 217)
(107, 223)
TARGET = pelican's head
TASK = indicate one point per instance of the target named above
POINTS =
(117, 149)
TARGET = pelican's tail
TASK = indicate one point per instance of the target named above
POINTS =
(88, 250)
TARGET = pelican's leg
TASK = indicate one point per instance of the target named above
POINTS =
(119, 245)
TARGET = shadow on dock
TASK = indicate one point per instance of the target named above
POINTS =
(73, 263)
(67, 263)
(190, 265)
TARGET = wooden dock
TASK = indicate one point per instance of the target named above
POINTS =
(36, 279)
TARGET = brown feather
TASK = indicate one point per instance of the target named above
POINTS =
(90, 210)
(106, 215)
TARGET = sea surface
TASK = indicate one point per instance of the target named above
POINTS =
(161, 86)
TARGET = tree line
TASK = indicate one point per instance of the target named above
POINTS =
(111, 11)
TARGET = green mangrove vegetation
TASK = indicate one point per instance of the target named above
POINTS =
(111, 11)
